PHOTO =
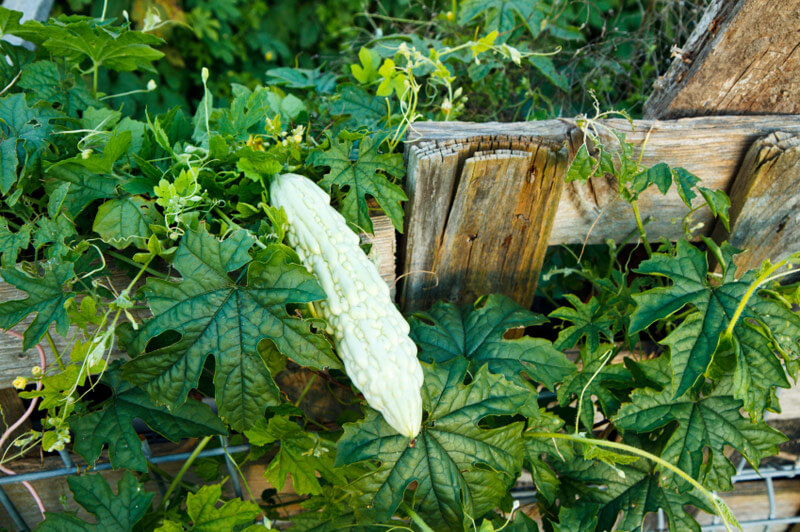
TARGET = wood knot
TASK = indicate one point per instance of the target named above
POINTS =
(713, 28)
(471, 238)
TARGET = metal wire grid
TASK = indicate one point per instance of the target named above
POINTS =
(767, 475)
(70, 469)
(744, 474)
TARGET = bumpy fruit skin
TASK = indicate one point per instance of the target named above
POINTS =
(370, 333)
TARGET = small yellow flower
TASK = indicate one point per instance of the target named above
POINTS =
(450, 16)
(269, 56)
(20, 383)
(256, 142)
(447, 106)
(36, 371)
(297, 134)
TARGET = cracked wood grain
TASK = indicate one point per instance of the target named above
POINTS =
(765, 202)
(479, 212)
(742, 58)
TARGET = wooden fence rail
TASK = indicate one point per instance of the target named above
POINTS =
(485, 199)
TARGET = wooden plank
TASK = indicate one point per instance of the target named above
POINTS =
(765, 202)
(454, 227)
(749, 502)
(710, 147)
(14, 362)
(11, 409)
(742, 58)
(437, 156)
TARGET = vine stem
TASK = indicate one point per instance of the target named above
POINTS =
(761, 279)
(54, 349)
(132, 262)
(94, 79)
(607, 356)
(21, 420)
(718, 504)
(184, 469)
(416, 518)
(306, 389)
(640, 226)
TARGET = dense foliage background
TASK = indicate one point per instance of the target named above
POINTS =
(614, 49)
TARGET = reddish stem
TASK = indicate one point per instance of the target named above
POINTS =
(21, 420)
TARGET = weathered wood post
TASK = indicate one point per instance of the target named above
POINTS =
(765, 202)
(482, 200)
(742, 58)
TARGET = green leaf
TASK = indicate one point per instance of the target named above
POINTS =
(73, 184)
(364, 175)
(12, 243)
(630, 498)
(685, 181)
(46, 297)
(8, 164)
(705, 427)
(113, 424)
(659, 175)
(206, 517)
(589, 321)
(54, 232)
(293, 106)
(718, 202)
(23, 134)
(758, 371)
(546, 480)
(364, 109)
(582, 166)
(694, 341)
(367, 71)
(9, 20)
(595, 382)
(546, 67)
(219, 316)
(114, 512)
(45, 81)
(502, 15)
(78, 39)
(302, 78)
(573, 518)
(301, 454)
(257, 164)
(335, 518)
(460, 469)
(477, 333)
(245, 114)
(121, 222)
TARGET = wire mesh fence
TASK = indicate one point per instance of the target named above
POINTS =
(71, 469)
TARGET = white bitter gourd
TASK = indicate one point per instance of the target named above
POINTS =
(370, 333)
